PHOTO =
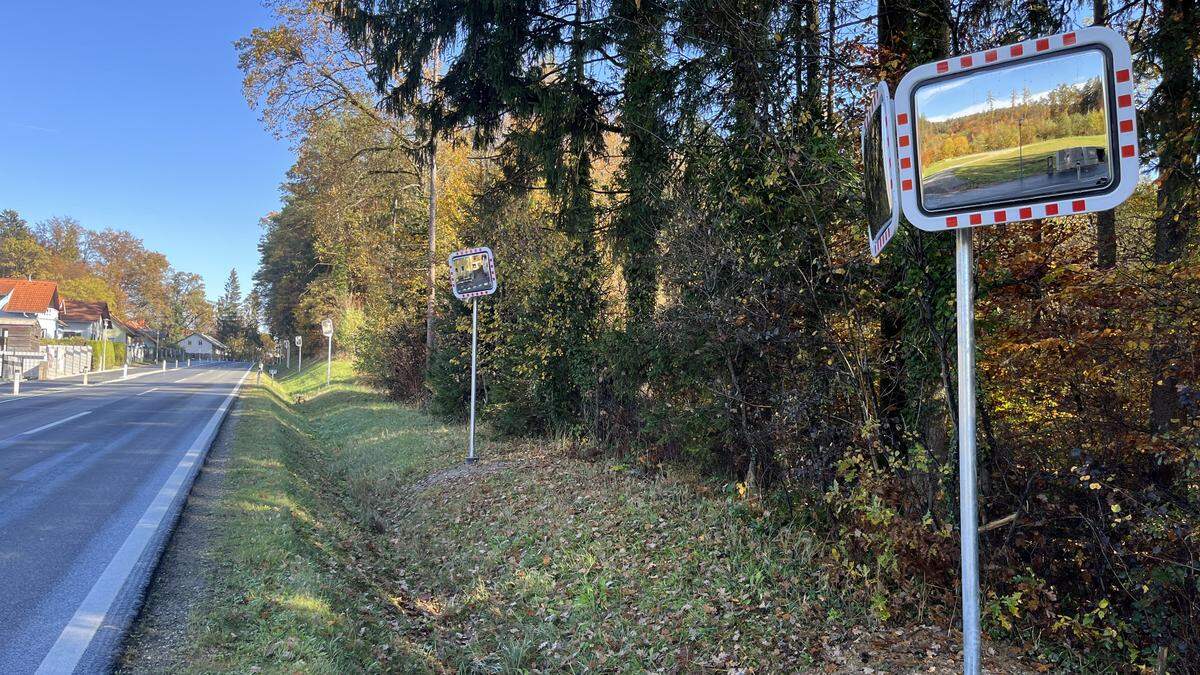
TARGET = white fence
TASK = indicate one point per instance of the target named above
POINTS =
(65, 360)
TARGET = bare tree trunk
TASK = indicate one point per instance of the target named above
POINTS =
(431, 298)
(830, 24)
(1106, 221)
(1178, 197)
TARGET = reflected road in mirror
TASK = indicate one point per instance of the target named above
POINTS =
(1034, 129)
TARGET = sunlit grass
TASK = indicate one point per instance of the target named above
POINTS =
(1033, 154)
(355, 536)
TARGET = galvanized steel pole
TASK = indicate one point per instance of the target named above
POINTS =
(474, 332)
(968, 520)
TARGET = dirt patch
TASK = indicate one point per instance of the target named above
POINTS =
(476, 471)
(917, 649)
(160, 639)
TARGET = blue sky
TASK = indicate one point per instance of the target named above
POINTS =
(130, 115)
(1039, 77)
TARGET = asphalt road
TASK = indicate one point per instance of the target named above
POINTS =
(91, 482)
(946, 189)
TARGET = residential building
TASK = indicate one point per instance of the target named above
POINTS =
(30, 299)
(201, 345)
(85, 319)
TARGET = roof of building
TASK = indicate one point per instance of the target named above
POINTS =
(84, 310)
(30, 296)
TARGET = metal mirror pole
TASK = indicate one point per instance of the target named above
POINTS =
(964, 273)
(328, 358)
(474, 332)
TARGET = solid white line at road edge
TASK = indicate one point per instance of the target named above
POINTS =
(74, 640)
(54, 424)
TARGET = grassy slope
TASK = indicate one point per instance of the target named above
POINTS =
(356, 541)
(1034, 154)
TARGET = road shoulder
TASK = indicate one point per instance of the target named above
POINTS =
(159, 638)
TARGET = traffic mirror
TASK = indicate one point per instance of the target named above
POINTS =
(882, 194)
(472, 272)
(1041, 128)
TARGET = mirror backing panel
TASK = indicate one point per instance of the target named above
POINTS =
(879, 234)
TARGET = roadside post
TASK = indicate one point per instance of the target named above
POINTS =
(164, 365)
(299, 353)
(85, 373)
(472, 274)
(258, 379)
(125, 371)
(327, 331)
(1043, 171)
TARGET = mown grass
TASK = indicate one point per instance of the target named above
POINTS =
(354, 539)
(999, 165)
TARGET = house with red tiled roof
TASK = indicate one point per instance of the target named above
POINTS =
(84, 318)
(25, 299)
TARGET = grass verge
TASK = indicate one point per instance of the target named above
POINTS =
(353, 539)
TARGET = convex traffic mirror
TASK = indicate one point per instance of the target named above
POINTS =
(882, 194)
(472, 272)
(1040, 128)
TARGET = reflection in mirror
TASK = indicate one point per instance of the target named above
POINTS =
(1033, 129)
(878, 196)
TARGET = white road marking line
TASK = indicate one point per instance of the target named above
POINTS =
(54, 424)
(147, 391)
(21, 397)
(74, 640)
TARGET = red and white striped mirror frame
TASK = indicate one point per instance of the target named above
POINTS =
(1124, 129)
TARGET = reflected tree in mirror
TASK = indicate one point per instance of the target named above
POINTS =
(1033, 129)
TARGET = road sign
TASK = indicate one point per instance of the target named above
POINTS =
(1044, 127)
(472, 272)
(299, 340)
(327, 331)
(882, 192)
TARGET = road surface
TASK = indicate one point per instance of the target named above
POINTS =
(91, 481)
(946, 190)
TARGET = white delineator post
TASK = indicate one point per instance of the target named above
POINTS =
(124, 371)
(968, 519)
(474, 332)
